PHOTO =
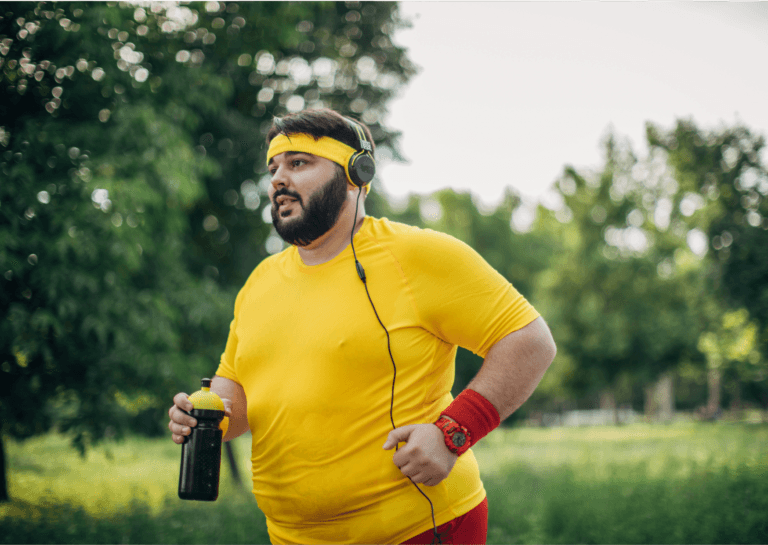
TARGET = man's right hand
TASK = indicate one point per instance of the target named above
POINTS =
(235, 404)
(181, 424)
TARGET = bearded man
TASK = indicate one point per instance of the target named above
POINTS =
(343, 347)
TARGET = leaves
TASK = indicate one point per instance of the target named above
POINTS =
(131, 150)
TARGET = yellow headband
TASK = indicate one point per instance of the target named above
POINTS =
(326, 147)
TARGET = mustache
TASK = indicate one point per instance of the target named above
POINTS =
(289, 193)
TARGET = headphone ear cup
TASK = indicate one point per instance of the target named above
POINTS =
(362, 168)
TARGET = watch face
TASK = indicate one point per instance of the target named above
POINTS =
(459, 439)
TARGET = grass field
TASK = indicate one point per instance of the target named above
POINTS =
(681, 483)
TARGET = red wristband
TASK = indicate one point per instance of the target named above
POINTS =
(475, 413)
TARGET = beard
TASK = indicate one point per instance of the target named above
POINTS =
(317, 216)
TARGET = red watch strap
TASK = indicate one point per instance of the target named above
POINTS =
(474, 412)
(450, 429)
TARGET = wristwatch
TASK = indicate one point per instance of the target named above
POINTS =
(457, 437)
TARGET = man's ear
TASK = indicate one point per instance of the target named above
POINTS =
(353, 187)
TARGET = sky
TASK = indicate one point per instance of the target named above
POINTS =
(508, 93)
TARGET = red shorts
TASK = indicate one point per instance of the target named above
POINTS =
(471, 527)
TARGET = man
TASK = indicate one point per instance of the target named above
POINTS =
(342, 347)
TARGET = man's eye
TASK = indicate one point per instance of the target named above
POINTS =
(298, 162)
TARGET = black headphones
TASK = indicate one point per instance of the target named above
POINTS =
(362, 166)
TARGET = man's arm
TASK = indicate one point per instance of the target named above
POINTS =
(231, 390)
(514, 366)
(512, 369)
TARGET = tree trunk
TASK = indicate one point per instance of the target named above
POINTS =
(735, 390)
(3, 479)
(608, 403)
(233, 469)
(665, 389)
(660, 399)
(649, 408)
(714, 378)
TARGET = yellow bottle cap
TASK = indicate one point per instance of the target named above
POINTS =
(207, 400)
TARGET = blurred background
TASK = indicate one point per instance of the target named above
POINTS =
(608, 159)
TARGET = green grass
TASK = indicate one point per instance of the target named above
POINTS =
(682, 483)
(120, 493)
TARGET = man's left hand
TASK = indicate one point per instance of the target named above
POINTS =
(424, 458)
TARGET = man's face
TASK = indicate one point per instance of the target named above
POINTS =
(307, 194)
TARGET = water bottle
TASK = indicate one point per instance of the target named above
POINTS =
(201, 450)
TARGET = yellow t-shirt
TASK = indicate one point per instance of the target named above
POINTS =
(312, 358)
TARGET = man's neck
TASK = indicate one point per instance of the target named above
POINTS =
(332, 243)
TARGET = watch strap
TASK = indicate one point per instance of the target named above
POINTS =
(457, 438)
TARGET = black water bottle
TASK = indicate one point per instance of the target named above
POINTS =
(201, 450)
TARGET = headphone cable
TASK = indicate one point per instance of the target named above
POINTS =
(361, 274)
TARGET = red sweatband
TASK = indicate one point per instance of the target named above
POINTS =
(475, 413)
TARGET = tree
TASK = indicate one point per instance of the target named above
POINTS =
(621, 296)
(337, 55)
(724, 170)
(723, 190)
(98, 314)
(130, 205)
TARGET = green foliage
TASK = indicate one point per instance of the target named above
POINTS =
(722, 193)
(610, 309)
(734, 344)
(613, 268)
(629, 510)
(627, 295)
(94, 217)
(682, 483)
(133, 196)
(237, 522)
(722, 170)
(635, 484)
(113, 495)
(131, 152)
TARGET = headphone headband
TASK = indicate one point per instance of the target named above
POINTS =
(364, 143)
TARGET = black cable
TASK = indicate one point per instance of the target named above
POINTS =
(361, 274)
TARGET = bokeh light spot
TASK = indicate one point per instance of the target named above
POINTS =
(210, 223)
(295, 104)
(274, 244)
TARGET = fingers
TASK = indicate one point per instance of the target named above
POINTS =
(398, 435)
(421, 475)
(179, 438)
(181, 400)
(422, 458)
(412, 468)
(433, 482)
(178, 432)
(181, 424)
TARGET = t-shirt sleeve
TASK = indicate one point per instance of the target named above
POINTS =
(227, 364)
(459, 297)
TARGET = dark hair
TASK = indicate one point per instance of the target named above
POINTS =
(319, 123)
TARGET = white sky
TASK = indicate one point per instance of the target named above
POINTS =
(510, 92)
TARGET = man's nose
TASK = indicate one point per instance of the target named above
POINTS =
(279, 178)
